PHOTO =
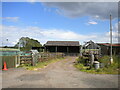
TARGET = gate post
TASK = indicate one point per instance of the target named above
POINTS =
(91, 60)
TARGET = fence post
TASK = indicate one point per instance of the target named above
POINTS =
(16, 61)
(33, 59)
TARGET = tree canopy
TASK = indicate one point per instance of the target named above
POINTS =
(27, 43)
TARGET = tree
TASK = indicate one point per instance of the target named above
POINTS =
(27, 43)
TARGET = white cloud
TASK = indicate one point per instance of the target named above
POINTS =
(13, 33)
(92, 22)
(11, 19)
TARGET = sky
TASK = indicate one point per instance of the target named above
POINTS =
(58, 21)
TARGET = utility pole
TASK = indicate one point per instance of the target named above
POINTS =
(18, 61)
(111, 59)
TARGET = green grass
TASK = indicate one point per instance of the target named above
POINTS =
(40, 64)
(108, 69)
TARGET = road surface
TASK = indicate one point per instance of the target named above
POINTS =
(61, 74)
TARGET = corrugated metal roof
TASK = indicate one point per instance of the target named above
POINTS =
(107, 44)
(62, 43)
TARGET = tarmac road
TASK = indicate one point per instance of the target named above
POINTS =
(61, 74)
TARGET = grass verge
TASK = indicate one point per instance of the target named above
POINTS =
(40, 64)
(108, 69)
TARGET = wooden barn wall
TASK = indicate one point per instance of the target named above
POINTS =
(105, 50)
(64, 49)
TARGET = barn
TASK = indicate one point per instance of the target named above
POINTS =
(105, 48)
(91, 45)
(67, 47)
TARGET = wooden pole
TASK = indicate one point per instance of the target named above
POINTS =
(81, 48)
(56, 49)
(67, 49)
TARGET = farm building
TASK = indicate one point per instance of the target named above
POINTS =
(10, 56)
(67, 47)
(105, 48)
(91, 47)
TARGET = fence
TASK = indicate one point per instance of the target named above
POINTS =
(48, 56)
(25, 59)
(12, 61)
(39, 57)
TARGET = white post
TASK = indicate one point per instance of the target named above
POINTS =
(81, 50)
(111, 59)
(18, 54)
(91, 60)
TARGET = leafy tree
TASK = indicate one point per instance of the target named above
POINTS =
(27, 43)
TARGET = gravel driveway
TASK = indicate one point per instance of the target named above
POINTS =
(61, 74)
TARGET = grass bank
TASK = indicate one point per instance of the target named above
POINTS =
(40, 64)
(108, 68)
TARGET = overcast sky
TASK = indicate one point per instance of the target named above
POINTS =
(68, 21)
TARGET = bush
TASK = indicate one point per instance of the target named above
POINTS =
(105, 60)
(116, 59)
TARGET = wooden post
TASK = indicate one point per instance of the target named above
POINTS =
(44, 49)
(33, 59)
(16, 63)
(18, 59)
(56, 49)
(67, 50)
